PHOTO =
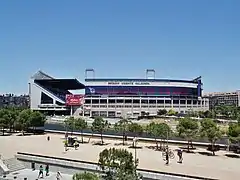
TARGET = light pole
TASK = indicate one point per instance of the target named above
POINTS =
(135, 155)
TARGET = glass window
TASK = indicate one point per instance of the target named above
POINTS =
(136, 101)
(167, 101)
(103, 101)
(111, 101)
(95, 101)
(160, 101)
(87, 101)
(175, 101)
(45, 99)
(144, 101)
(151, 101)
(128, 101)
(119, 100)
(182, 102)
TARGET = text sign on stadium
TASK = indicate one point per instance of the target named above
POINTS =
(74, 100)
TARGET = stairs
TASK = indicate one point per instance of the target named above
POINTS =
(13, 164)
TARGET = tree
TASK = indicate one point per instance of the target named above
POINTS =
(161, 112)
(3, 120)
(100, 125)
(171, 112)
(122, 126)
(80, 124)
(210, 130)
(135, 128)
(118, 164)
(209, 114)
(24, 120)
(187, 128)
(158, 130)
(85, 176)
(70, 124)
(36, 119)
(234, 133)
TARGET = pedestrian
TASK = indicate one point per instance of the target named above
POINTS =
(40, 171)
(58, 175)
(75, 145)
(47, 170)
(48, 138)
(167, 156)
(179, 153)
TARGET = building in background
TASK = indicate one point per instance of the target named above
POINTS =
(11, 100)
(135, 97)
(49, 94)
(223, 98)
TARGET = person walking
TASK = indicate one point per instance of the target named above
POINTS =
(58, 175)
(167, 156)
(40, 171)
(179, 153)
(47, 170)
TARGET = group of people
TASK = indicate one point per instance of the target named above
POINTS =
(40, 174)
(179, 153)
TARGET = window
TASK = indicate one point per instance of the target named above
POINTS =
(87, 101)
(45, 99)
(144, 101)
(95, 113)
(103, 101)
(128, 101)
(103, 113)
(175, 101)
(136, 101)
(167, 101)
(160, 101)
(119, 100)
(111, 113)
(152, 101)
(182, 102)
(95, 101)
(111, 101)
(189, 102)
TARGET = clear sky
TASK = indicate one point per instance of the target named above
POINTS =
(120, 38)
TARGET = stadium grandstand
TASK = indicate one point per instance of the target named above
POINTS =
(48, 94)
(137, 97)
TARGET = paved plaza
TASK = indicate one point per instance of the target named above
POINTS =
(33, 175)
(220, 166)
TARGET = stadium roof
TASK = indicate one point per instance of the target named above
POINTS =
(137, 80)
(64, 84)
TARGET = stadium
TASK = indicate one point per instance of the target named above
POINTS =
(115, 97)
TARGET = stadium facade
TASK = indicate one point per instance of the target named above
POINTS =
(115, 97)
(136, 97)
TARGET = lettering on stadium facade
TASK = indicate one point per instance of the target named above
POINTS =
(128, 83)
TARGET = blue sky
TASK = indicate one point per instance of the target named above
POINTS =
(179, 39)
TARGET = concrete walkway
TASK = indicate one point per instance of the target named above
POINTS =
(33, 175)
(219, 167)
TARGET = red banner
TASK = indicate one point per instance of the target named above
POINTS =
(74, 99)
